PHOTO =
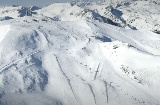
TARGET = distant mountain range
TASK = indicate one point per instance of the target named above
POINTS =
(81, 53)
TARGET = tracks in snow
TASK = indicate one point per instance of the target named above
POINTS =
(106, 86)
(68, 80)
(139, 44)
(94, 96)
(96, 72)
(12, 63)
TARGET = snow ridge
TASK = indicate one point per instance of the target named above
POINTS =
(80, 53)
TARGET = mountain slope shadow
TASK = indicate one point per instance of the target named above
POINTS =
(103, 19)
(118, 14)
(103, 39)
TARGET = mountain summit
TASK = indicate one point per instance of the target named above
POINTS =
(80, 53)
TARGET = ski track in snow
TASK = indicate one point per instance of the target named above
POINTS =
(8, 65)
(137, 44)
(81, 53)
(68, 80)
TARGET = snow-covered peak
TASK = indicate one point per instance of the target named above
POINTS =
(98, 53)
(139, 14)
(67, 12)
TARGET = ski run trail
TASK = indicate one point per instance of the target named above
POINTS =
(81, 53)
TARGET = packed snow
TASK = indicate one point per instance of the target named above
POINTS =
(80, 53)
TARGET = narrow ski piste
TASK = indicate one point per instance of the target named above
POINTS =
(68, 80)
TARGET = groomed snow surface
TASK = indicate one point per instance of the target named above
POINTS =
(76, 60)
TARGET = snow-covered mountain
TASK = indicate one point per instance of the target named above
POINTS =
(81, 53)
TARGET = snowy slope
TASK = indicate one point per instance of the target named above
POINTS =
(135, 14)
(55, 58)
(67, 12)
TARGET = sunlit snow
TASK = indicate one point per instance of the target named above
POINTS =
(80, 53)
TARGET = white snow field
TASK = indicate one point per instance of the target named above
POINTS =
(73, 54)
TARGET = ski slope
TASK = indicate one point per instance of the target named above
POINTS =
(54, 58)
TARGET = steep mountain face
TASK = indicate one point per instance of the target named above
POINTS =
(80, 53)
